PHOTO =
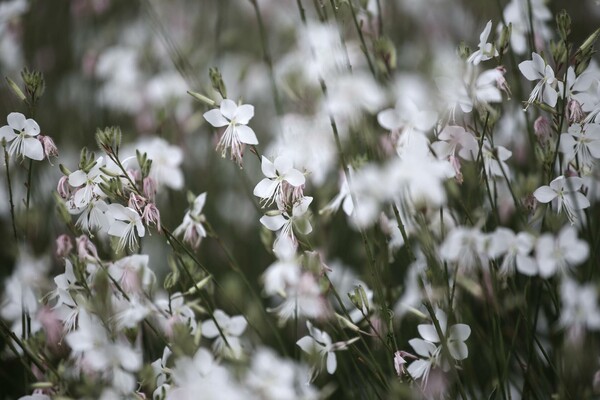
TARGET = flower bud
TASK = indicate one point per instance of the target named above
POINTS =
(216, 80)
(563, 23)
(64, 245)
(149, 187)
(86, 250)
(504, 39)
(542, 130)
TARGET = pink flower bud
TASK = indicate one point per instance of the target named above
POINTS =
(86, 250)
(501, 81)
(64, 245)
(50, 149)
(542, 130)
(575, 112)
(63, 188)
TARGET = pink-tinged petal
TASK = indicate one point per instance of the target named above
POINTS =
(428, 332)
(544, 194)
(273, 222)
(244, 114)
(422, 347)
(389, 119)
(265, 189)
(6, 132)
(237, 325)
(331, 362)
(460, 332)
(268, 168)
(77, 178)
(307, 344)
(31, 127)
(215, 118)
(228, 109)
(458, 350)
(209, 329)
(16, 121)
(246, 134)
(295, 177)
(283, 164)
(32, 148)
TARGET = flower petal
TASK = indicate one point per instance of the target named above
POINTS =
(244, 114)
(228, 109)
(460, 332)
(215, 118)
(32, 148)
(16, 121)
(331, 362)
(544, 194)
(246, 134)
(273, 222)
(295, 177)
(428, 333)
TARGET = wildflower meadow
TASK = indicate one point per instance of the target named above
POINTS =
(299, 199)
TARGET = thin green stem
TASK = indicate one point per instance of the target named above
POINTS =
(10, 193)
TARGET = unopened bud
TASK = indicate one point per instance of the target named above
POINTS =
(203, 99)
(86, 250)
(563, 23)
(15, 89)
(504, 39)
(542, 130)
(149, 187)
(64, 245)
(346, 323)
(50, 149)
(216, 80)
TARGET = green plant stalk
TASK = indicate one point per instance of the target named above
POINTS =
(10, 193)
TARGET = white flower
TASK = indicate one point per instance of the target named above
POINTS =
(545, 90)
(580, 306)
(430, 352)
(237, 132)
(486, 50)
(227, 341)
(320, 342)
(566, 190)
(87, 184)
(127, 223)
(583, 142)
(174, 311)
(166, 162)
(343, 198)
(192, 229)
(272, 188)
(24, 143)
(133, 273)
(516, 249)
(287, 222)
(455, 336)
(283, 272)
(557, 254)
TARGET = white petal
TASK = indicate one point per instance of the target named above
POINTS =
(246, 134)
(6, 132)
(526, 265)
(268, 168)
(244, 114)
(307, 344)
(331, 362)
(389, 119)
(295, 177)
(273, 222)
(31, 127)
(228, 109)
(119, 229)
(458, 350)
(460, 332)
(544, 194)
(237, 325)
(265, 189)
(283, 164)
(550, 96)
(209, 329)
(16, 121)
(428, 333)
(422, 347)
(215, 118)
(32, 148)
